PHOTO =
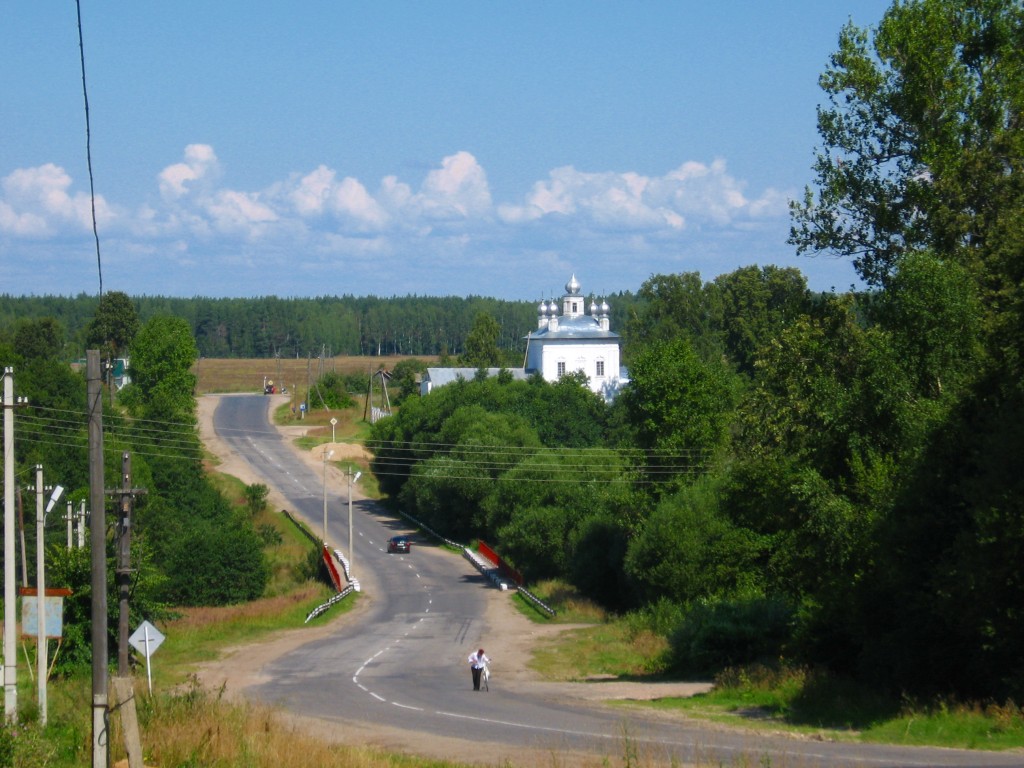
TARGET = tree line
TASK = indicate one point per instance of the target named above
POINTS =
(304, 327)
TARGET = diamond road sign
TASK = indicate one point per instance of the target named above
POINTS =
(146, 639)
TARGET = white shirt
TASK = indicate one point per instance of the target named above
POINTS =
(479, 661)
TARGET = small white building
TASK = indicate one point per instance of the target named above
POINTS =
(568, 339)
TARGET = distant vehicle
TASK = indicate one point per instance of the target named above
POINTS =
(399, 544)
(269, 388)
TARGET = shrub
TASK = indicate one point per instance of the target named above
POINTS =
(334, 389)
(714, 635)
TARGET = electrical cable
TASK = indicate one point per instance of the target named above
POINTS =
(88, 147)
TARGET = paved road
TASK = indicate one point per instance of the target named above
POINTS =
(403, 665)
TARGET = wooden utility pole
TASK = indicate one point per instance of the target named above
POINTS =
(98, 542)
(123, 570)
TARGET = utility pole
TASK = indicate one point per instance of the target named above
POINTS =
(42, 649)
(351, 479)
(124, 556)
(10, 594)
(97, 540)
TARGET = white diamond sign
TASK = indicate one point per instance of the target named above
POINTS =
(146, 639)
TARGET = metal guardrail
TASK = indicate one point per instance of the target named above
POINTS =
(336, 599)
(537, 601)
(484, 566)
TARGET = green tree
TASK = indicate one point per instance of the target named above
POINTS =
(162, 356)
(114, 325)
(688, 550)
(41, 339)
(921, 144)
(756, 305)
(481, 347)
(405, 378)
(679, 404)
(677, 307)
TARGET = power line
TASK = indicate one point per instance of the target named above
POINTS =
(88, 146)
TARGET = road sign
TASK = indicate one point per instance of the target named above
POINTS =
(146, 639)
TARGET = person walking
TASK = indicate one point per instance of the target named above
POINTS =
(477, 662)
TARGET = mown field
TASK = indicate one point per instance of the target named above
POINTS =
(217, 375)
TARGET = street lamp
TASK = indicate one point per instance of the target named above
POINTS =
(351, 479)
(327, 456)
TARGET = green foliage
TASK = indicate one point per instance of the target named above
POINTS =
(756, 305)
(676, 307)
(718, 634)
(679, 404)
(224, 563)
(41, 339)
(162, 355)
(72, 568)
(256, 497)
(332, 390)
(482, 344)
(405, 378)
(114, 326)
(688, 550)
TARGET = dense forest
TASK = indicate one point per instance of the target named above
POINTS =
(296, 327)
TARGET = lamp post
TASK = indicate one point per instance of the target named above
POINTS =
(351, 479)
(327, 456)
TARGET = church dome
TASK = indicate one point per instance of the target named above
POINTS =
(573, 286)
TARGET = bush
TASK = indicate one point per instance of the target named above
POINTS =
(256, 498)
(334, 389)
(714, 635)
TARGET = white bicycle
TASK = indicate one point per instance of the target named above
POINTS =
(485, 676)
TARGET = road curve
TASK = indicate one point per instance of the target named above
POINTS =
(402, 666)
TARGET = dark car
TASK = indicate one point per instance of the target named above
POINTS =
(399, 544)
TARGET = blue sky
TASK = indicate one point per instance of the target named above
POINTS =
(392, 148)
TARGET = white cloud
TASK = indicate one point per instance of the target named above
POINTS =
(458, 188)
(199, 170)
(321, 222)
(238, 211)
(693, 191)
(36, 203)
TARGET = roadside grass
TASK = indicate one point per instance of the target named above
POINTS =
(202, 634)
(810, 702)
(798, 700)
(596, 645)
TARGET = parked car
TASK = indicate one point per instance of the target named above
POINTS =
(399, 544)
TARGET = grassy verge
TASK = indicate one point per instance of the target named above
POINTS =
(804, 701)
(796, 700)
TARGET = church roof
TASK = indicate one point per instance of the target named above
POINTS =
(574, 328)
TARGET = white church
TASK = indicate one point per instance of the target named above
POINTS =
(567, 339)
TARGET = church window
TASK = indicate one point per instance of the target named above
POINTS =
(561, 368)
(600, 367)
